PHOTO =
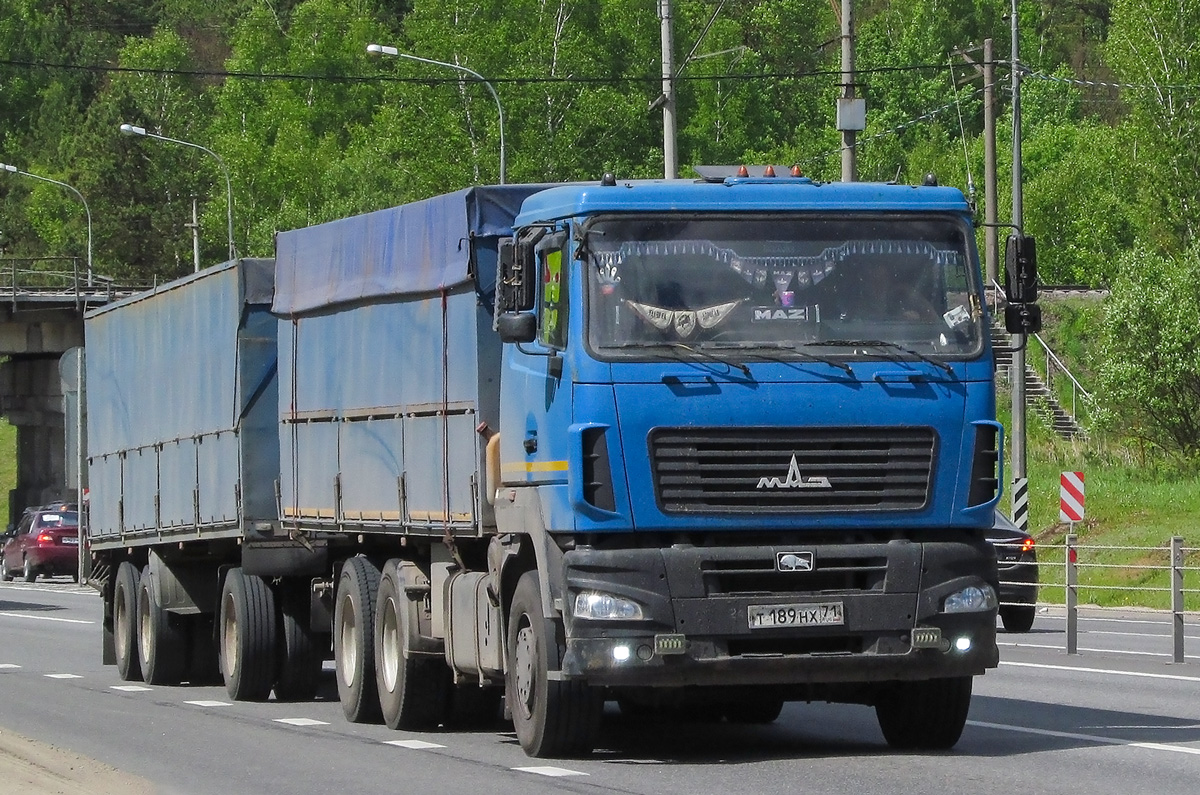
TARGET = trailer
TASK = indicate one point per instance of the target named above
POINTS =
(693, 447)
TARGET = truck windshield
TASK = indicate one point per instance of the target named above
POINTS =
(770, 287)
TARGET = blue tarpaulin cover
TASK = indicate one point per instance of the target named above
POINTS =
(415, 248)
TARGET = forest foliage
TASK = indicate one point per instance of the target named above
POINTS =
(311, 128)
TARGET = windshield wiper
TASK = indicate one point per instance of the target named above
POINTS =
(704, 354)
(887, 346)
(755, 347)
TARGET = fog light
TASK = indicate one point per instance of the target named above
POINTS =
(621, 653)
(963, 643)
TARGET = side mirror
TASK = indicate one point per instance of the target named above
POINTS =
(1020, 269)
(514, 277)
(1022, 315)
(517, 326)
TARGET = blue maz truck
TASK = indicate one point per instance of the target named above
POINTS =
(698, 448)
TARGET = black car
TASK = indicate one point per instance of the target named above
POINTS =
(1016, 560)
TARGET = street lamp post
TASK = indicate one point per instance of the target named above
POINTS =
(130, 129)
(382, 49)
(83, 201)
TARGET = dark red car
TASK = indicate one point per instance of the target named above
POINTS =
(45, 542)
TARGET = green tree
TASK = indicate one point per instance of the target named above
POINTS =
(1150, 351)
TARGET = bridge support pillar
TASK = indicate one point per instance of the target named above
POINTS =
(31, 400)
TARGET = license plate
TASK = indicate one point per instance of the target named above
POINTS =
(71, 540)
(796, 615)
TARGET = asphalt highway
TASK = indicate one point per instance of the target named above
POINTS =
(1119, 717)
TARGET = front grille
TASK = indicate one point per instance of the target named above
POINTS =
(832, 573)
(786, 470)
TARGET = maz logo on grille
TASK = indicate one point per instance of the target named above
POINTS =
(795, 480)
(794, 561)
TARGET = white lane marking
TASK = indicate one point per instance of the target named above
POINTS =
(62, 676)
(416, 745)
(204, 703)
(1054, 647)
(1139, 634)
(301, 722)
(1080, 669)
(74, 590)
(1092, 738)
(11, 614)
(130, 688)
(556, 772)
(9, 665)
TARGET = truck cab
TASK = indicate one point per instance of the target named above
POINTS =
(749, 427)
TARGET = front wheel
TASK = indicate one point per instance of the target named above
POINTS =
(925, 716)
(551, 718)
(5, 574)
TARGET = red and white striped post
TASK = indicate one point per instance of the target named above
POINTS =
(1071, 499)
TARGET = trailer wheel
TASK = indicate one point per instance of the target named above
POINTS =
(125, 590)
(927, 716)
(300, 651)
(247, 641)
(551, 718)
(354, 640)
(412, 689)
(162, 639)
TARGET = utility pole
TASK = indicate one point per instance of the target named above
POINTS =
(851, 111)
(1020, 482)
(670, 155)
(990, 214)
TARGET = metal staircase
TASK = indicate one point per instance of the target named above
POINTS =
(1037, 391)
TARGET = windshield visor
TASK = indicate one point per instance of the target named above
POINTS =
(769, 284)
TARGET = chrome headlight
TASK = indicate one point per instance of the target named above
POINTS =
(972, 599)
(598, 606)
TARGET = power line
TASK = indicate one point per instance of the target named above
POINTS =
(333, 78)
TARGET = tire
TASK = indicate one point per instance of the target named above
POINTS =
(300, 649)
(413, 690)
(247, 636)
(125, 622)
(354, 640)
(1018, 618)
(551, 718)
(5, 574)
(162, 639)
(759, 710)
(925, 716)
(29, 573)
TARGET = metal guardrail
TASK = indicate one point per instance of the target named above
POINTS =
(1160, 576)
(32, 280)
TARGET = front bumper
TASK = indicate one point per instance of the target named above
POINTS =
(696, 602)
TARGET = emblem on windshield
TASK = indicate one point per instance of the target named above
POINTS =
(795, 480)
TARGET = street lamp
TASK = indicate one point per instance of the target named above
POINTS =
(130, 129)
(15, 170)
(382, 49)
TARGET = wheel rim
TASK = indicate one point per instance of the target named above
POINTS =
(390, 638)
(526, 652)
(229, 633)
(348, 659)
(144, 635)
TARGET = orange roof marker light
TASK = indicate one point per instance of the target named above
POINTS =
(769, 171)
(743, 172)
(796, 172)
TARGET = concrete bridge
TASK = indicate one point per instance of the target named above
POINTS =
(41, 318)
